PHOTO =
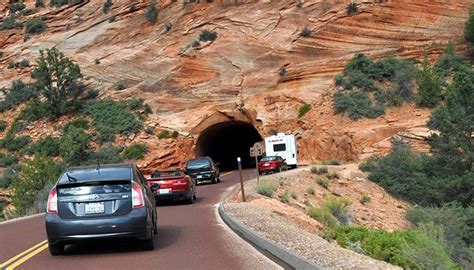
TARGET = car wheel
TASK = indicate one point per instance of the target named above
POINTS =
(155, 229)
(214, 180)
(56, 249)
(194, 196)
(149, 244)
(189, 200)
(279, 169)
(218, 179)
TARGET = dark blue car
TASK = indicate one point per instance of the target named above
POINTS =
(96, 202)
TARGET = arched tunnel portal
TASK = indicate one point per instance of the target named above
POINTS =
(226, 141)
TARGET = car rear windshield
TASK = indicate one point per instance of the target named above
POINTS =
(167, 174)
(95, 175)
(198, 163)
(94, 189)
(268, 158)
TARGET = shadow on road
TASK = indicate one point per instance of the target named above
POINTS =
(166, 236)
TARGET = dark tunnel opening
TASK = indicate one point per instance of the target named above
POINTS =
(224, 142)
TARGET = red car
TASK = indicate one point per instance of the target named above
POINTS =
(173, 185)
(272, 164)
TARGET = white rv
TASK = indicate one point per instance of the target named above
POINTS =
(283, 145)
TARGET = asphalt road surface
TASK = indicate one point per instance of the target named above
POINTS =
(189, 237)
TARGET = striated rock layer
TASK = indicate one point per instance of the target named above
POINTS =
(259, 67)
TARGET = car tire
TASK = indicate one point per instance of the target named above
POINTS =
(214, 180)
(149, 244)
(56, 249)
(218, 179)
(190, 200)
(155, 228)
(194, 196)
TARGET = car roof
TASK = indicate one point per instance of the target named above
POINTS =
(201, 158)
(108, 172)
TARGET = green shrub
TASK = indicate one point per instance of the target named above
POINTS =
(18, 93)
(457, 226)
(138, 104)
(75, 147)
(149, 130)
(281, 181)
(265, 188)
(34, 26)
(323, 170)
(356, 104)
(34, 110)
(111, 117)
(207, 35)
(331, 162)
(14, 144)
(14, 7)
(80, 123)
(284, 197)
(352, 8)
(48, 146)
(112, 18)
(449, 63)
(19, 64)
(175, 134)
(58, 3)
(311, 191)
(323, 182)
(429, 86)
(365, 199)
(108, 154)
(34, 175)
(303, 110)
(120, 86)
(3, 125)
(409, 250)
(332, 212)
(314, 169)
(306, 32)
(469, 27)
(9, 174)
(92, 93)
(7, 160)
(164, 134)
(106, 6)
(151, 12)
(135, 151)
(10, 23)
(132, 7)
(39, 4)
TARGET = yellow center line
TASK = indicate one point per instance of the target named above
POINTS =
(27, 257)
(227, 173)
(23, 253)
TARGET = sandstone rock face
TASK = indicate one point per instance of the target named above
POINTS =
(259, 63)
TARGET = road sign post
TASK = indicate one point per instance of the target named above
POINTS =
(239, 162)
(255, 151)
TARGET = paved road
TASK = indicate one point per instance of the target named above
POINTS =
(189, 236)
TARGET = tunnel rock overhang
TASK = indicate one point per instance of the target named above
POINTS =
(226, 135)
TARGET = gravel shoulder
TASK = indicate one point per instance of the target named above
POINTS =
(278, 223)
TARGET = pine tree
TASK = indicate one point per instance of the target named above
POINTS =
(57, 78)
(429, 86)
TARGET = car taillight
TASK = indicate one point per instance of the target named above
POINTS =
(52, 206)
(137, 196)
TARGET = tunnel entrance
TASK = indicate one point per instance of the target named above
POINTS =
(226, 141)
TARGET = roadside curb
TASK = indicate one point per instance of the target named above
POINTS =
(271, 250)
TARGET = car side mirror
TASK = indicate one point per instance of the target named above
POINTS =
(154, 187)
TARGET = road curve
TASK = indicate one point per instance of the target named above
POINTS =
(189, 236)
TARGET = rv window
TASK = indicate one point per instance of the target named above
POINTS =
(279, 147)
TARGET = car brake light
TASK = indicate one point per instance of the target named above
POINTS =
(52, 206)
(137, 196)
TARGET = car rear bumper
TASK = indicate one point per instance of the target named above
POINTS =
(203, 177)
(135, 224)
(176, 194)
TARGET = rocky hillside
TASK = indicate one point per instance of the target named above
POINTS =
(259, 68)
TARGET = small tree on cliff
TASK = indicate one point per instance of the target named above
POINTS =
(429, 86)
(57, 81)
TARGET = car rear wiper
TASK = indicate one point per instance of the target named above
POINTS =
(70, 178)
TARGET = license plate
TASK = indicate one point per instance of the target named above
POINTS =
(165, 191)
(199, 176)
(94, 208)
